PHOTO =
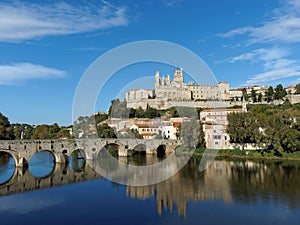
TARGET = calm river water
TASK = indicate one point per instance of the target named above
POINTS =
(228, 192)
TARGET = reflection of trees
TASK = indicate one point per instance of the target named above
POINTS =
(244, 181)
(4, 158)
(271, 181)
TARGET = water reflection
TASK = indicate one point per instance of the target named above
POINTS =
(7, 167)
(41, 164)
(226, 181)
(77, 161)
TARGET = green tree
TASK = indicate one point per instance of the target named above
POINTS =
(105, 131)
(242, 128)
(280, 92)
(41, 132)
(63, 133)
(6, 133)
(52, 132)
(201, 140)
(245, 95)
(282, 131)
(269, 94)
(151, 113)
(136, 134)
(259, 98)
(99, 117)
(253, 95)
(297, 89)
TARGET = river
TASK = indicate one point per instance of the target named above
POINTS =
(227, 192)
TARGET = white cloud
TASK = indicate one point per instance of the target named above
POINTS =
(272, 58)
(276, 65)
(283, 27)
(15, 74)
(25, 21)
(172, 3)
(273, 75)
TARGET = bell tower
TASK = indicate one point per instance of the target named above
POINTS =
(178, 76)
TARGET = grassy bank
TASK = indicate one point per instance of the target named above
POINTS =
(250, 154)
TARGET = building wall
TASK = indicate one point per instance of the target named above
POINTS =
(214, 125)
(139, 94)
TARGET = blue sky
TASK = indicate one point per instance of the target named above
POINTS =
(46, 46)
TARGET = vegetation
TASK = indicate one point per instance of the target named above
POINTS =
(192, 135)
(105, 131)
(6, 132)
(273, 129)
(298, 88)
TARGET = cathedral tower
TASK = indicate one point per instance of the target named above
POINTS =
(178, 76)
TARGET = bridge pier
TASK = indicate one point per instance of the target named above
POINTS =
(122, 151)
(21, 162)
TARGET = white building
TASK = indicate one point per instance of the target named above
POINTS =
(214, 126)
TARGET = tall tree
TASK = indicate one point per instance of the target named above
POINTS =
(297, 89)
(269, 94)
(6, 132)
(253, 95)
(280, 92)
(245, 95)
(259, 98)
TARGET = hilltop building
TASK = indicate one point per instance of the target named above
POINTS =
(175, 92)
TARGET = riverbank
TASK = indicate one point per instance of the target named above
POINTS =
(250, 154)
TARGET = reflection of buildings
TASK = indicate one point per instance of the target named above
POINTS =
(189, 185)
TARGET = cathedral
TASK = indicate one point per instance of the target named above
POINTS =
(176, 90)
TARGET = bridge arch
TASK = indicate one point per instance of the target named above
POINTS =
(11, 153)
(41, 168)
(77, 160)
(140, 149)
(161, 150)
(9, 173)
(112, 148)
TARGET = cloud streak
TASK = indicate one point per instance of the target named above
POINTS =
(274, 75)
(26, 21)
(17, 73)
(283, 27)
(276, 65)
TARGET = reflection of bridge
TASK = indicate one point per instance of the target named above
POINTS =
(23, 181)
(23, 150)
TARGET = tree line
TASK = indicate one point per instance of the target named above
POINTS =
(270, 95)
(271, 128)
(25, 131)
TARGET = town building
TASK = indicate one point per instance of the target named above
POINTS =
(215, 125)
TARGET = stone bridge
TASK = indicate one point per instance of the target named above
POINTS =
(23, 150)
(22, 180)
